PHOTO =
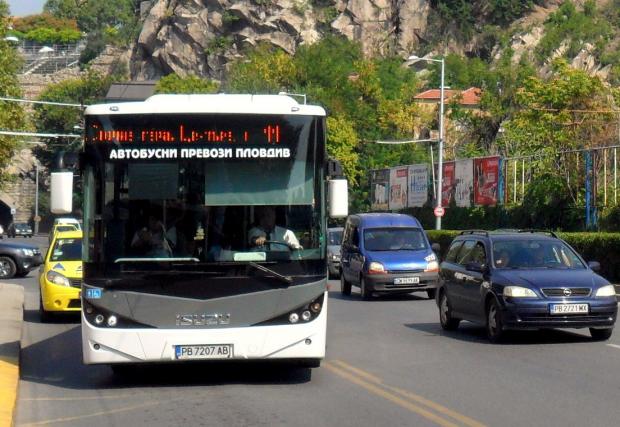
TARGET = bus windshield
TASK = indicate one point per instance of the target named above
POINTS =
(184, 194)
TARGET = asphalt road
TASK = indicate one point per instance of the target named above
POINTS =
(388, 363)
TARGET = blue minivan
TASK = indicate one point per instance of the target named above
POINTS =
(387, 253)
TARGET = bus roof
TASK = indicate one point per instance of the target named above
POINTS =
(216, 104)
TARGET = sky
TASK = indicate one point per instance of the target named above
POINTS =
(25, 7)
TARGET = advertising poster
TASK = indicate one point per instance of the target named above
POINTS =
(464, 182)
(486, 180)
(398, 187)
(379, 183)
(447, 184)
(418, 186)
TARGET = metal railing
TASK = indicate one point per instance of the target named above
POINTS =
(39, 59)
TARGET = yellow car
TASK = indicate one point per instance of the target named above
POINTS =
(59, 228)
(61, 276)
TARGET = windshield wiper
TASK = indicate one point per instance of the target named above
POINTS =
(178, 259)
(286, 279)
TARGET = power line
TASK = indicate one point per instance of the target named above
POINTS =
(28, 101)
(39, 135)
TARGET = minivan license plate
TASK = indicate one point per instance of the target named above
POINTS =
(406, 280)
(569, 308)
(206, 351)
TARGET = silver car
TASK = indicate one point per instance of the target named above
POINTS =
(334, 238)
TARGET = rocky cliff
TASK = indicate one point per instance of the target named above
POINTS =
(202, 36)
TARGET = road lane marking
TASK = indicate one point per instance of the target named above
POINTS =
(95, 414)
(614, 346)
(378, 391)
(77, 398)
(358, 371)
(412, 396)
(9, 380)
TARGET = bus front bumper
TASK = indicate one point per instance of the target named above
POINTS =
(105, 345)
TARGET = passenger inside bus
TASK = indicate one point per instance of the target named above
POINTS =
(151, 240)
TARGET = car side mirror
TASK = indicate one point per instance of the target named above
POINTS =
(594, 266)
(475, 266)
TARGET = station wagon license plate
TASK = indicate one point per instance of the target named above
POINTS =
(206, 351)
(569, 308)
(406, 280)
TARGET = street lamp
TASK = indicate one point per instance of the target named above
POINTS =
(410, 61)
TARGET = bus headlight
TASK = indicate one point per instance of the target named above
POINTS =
(293, 318)
(57, 278)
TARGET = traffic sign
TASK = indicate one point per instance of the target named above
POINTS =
(439, 211)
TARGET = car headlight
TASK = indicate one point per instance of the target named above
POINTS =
(606, 291)
(431, 266)
(57, 278)
(376, 268)
(519, 292)
(28, 252)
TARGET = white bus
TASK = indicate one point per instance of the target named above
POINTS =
(177, 191)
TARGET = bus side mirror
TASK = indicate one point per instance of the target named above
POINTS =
(338, 198)
(61, 189)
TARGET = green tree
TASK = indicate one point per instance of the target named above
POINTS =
(86, 90)
(12, 116)
(173, 83)
(556, 115)
(265, 70)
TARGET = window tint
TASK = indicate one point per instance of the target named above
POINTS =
(454, 249)
(355, 238)
(67, 250)
(477, 254)
(334, 237)
(466, 249)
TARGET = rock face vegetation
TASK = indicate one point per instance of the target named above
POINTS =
(542, 68)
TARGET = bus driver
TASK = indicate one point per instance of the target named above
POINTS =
(268, 233)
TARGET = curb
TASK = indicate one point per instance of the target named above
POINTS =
(11, 318)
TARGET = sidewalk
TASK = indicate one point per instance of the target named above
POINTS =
(11, 317)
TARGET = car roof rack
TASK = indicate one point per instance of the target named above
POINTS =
(482, 232)
(533, 230)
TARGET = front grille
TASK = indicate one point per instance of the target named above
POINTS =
(76, 283)
(560, 292)
(405, 271)
(74, 303)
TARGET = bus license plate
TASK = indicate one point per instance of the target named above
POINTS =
(206, 351)
(569, 308)
(406, 280)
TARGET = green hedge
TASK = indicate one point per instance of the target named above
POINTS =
(601, 247)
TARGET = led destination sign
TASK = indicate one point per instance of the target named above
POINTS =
(198, 136)
(184, 134)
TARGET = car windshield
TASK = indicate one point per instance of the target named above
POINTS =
(334, 237)
(528, 254)
(394, 239)
(67, 250)
(65, 228)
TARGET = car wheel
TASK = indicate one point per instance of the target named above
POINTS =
(7, 267)
(431, 293)
(448, 322)
(495, 331)
(600, 334)
(364, 292)
(345, 287)
(44, 316)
